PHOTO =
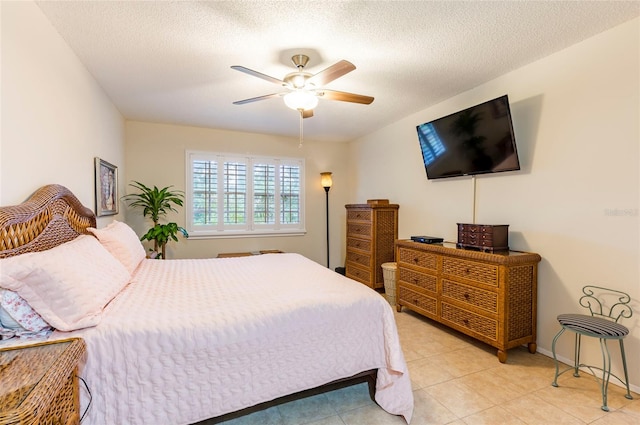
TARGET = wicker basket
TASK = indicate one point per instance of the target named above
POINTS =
(389, 275)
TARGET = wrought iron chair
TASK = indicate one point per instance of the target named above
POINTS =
(603, 324)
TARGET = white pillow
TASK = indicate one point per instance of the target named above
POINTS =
(122, 242)
(68, 285)
(17, 315)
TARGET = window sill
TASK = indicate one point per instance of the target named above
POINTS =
(229, 234)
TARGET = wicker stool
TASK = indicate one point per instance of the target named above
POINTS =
(603, 324)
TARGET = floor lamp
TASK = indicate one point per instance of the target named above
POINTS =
(325, 180)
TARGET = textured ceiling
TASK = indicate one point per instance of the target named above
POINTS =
(170, 61)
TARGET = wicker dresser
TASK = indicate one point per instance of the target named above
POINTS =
(38, 383)
(372, 229)
(489, 296)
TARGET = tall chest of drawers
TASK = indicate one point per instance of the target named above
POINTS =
(372, 229)
(489, 296)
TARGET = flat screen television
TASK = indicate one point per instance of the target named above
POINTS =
(476, 140)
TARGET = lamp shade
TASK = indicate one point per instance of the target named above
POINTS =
(300, 99)
(325, 179)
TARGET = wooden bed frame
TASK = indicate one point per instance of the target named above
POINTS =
(53, 216)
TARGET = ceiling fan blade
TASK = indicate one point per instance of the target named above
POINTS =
(334, 71)
(255, 99)
(257, 74)
(345, 97)
(307, 113)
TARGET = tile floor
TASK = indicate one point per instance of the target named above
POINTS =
(457, 380)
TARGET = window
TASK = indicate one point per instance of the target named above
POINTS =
(430, 143)
(233, 195)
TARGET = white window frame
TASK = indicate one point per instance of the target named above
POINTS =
(248, 229)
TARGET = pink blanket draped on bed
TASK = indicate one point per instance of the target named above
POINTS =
(189, 340)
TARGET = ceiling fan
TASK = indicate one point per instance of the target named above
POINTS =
(304, 88)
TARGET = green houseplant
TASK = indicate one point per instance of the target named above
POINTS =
(156, 203)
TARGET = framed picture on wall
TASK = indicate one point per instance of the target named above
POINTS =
(106, 188)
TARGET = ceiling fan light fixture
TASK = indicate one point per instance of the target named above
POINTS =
(300, 99)
(305, 88)
(298, 81)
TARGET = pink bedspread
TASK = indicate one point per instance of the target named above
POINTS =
(189, 340)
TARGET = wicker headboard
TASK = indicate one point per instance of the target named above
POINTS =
(50, 217)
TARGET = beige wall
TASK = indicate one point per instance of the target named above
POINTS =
(155, 155)
(55, 118)
(576, 118)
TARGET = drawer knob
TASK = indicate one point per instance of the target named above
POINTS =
(466, 322)
(415, 260)
(415, 301)
(466, 296)
(467, 271)
(415, 280)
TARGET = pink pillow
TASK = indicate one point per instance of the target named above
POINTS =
(122, 242)
(68, 285)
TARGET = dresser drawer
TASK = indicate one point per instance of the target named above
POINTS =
(478, 272)
(418, 258)
(361, 275)
(425, 281)
(486, 300)
(359, 230)
(476, 228)
(417, 299)
(358, 215)
(362, 259)
(361, 244)
(479, 324)
(467, 237)
(485, 242)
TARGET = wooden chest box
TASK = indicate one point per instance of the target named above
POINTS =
(484, 237)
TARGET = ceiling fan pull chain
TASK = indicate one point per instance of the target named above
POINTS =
(301, 117)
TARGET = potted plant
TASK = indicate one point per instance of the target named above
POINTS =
(156, 203)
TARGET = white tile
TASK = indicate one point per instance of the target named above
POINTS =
(269, 416)
(306, 410)
(493, 416)
(424, 373)
(429, 411)
(535, 411)
(459, 398)
(350, 398)
(331, 420)
(371, 415)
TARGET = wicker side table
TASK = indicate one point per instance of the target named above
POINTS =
(38, 383)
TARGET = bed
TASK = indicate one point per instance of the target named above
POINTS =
(181, 341)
